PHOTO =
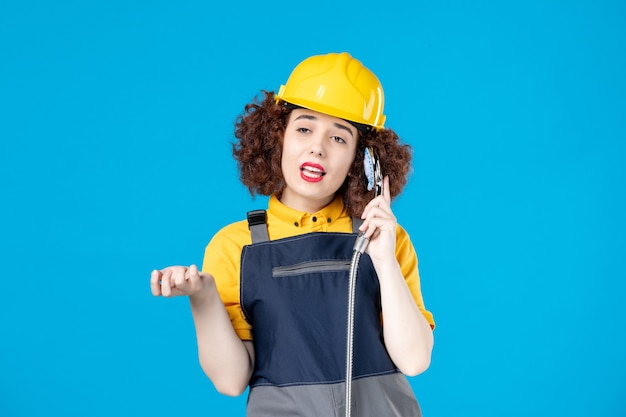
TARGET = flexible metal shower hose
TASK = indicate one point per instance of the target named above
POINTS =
(359, 248)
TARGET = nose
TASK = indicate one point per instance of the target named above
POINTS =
(317, 145)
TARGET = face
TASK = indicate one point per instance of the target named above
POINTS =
(318, 151)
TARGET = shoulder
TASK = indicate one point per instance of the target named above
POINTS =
(233, 235)
(230, 239)
(223, 252)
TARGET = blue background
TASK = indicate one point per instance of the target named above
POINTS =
(115, 127)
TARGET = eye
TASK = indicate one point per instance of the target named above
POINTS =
(338, 139)
(303, 130)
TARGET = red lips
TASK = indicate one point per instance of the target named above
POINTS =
(311, 172)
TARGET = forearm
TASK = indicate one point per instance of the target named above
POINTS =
(224, 358)
(408, 335)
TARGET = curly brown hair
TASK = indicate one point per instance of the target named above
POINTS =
(258, 151)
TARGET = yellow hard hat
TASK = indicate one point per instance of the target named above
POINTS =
(337, 85)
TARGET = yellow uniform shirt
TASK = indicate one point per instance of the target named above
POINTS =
(223, 253)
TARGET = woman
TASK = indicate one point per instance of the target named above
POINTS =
(269, 306)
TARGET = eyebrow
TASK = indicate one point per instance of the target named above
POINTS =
(337, 125)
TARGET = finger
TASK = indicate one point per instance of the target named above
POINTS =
(378, 226)
(369, 230)
(375, 228)
(193, 275)
(192, 272)
(379, 218)
(166, 287)
(178, 277)
(386, 190)
(368, 227)
(372, 204)
(155, 285)
(381, 202)
(193, 279)
(377, 212)
(368, 215)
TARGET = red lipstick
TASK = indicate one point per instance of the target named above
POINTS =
(311, 172)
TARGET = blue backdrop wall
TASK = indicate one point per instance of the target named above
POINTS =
(115, 127)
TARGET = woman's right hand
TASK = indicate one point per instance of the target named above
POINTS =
(178, 280)
(225, 358)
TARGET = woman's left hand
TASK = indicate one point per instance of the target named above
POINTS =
(379, 224)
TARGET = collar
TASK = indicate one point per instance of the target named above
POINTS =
(328, 214)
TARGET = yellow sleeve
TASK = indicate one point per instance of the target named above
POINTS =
(222, 258)
(407, 258)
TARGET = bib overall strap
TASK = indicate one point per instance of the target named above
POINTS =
(356, 223)
(257, 223)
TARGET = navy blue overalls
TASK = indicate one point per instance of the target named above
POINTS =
(294, 293)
